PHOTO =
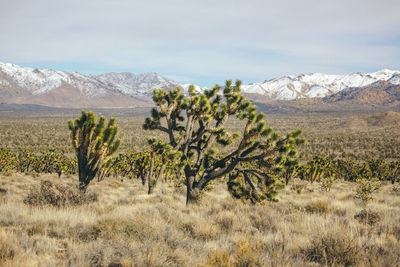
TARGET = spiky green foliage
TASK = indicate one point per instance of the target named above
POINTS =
(123, 165)
(379, 169)
(256, 185)
(94, 144)
(142, 164)
(26, 161)
(316, 169)
(290, 169)
(351, 170)
(8, 160)
(195, 127)
(394, 171)
(162, 155)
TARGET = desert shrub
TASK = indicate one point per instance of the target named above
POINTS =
(108, 229)
(225, 221)
(219, 258)
(58, 195)
(333, 249)
(395, 189)
(246, 255)
(318, 206)
(3, 191)
(326, 183)
(365, 188)
(298, 186)
(263, 221)
(367, 217)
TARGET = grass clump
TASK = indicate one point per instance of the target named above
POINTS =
(318, 206)
(57, 195)
(245, 255)
(368, 217)
(7, 247)
(219, 258)
(333, 250)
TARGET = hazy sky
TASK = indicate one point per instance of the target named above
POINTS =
(201, 41)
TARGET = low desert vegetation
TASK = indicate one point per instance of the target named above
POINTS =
(122, 225)
(213, 186)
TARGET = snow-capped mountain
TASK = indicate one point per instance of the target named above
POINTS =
(317, 84)
(21, 85)
(135, 85)
(42, 81)
(71, 89)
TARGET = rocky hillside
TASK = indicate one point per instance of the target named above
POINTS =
(53, 88)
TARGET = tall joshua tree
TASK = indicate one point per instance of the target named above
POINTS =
(195, 127)
(94, 144)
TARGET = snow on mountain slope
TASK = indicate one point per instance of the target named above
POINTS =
(42, 81)
(197, 89)
(136, 85)
(317, 84)
(17, 81)
(395, 79)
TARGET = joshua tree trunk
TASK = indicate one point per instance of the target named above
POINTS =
(190, 178)
(150, 175)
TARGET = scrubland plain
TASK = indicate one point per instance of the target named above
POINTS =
(337, 135)
(44, 221)
(121, 225)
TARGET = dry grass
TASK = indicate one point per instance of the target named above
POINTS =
(127, 227)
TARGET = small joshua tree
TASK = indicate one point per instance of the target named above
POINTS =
(365, 188)
(94, 144)
(162, 153)
(364, 191)
(290, 169)
(394, 170)
(195, 127)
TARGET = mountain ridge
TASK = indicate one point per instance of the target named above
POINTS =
(23, 85)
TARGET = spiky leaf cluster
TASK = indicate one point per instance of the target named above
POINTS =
(394, 168)
(8, 160)
(315, 169)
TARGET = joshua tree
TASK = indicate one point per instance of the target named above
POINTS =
(379, 169)
(290, 168)
(365, 188)
(94, 144)
(394, 167)
(195, 127)
(142, 164)
(316, 169)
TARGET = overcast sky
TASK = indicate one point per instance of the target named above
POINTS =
(201, 41)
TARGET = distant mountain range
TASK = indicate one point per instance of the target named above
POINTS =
(21, 85)
(317, 84)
